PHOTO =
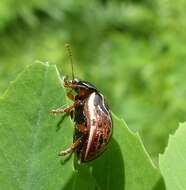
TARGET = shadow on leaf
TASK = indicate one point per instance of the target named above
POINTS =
(106, 172)
(108, 169)
(63, 117)
(81, 179)
(160, 185)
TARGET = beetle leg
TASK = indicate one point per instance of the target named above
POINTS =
(60, 111)
(81, 128)
(71, 148)
(65, 110)
(70, 96)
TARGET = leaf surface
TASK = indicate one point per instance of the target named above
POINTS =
(173, 161)
(29, 142)
(126, 164)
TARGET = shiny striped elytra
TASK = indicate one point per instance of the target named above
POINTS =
(93, 122)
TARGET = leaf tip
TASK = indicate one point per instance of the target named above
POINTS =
(46, 63)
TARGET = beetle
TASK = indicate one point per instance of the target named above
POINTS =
(92, 118)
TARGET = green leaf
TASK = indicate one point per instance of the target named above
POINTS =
(126, 164)
(30, 142)
(173, 161)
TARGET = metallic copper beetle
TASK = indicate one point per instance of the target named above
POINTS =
(93, 122)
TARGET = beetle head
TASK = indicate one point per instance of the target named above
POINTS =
(81, 87)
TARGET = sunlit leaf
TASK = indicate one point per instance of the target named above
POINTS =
(173, 162)
(30, 140)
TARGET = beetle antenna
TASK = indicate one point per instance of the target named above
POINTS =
(69, 50)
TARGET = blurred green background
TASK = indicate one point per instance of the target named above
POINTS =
(132, 50)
